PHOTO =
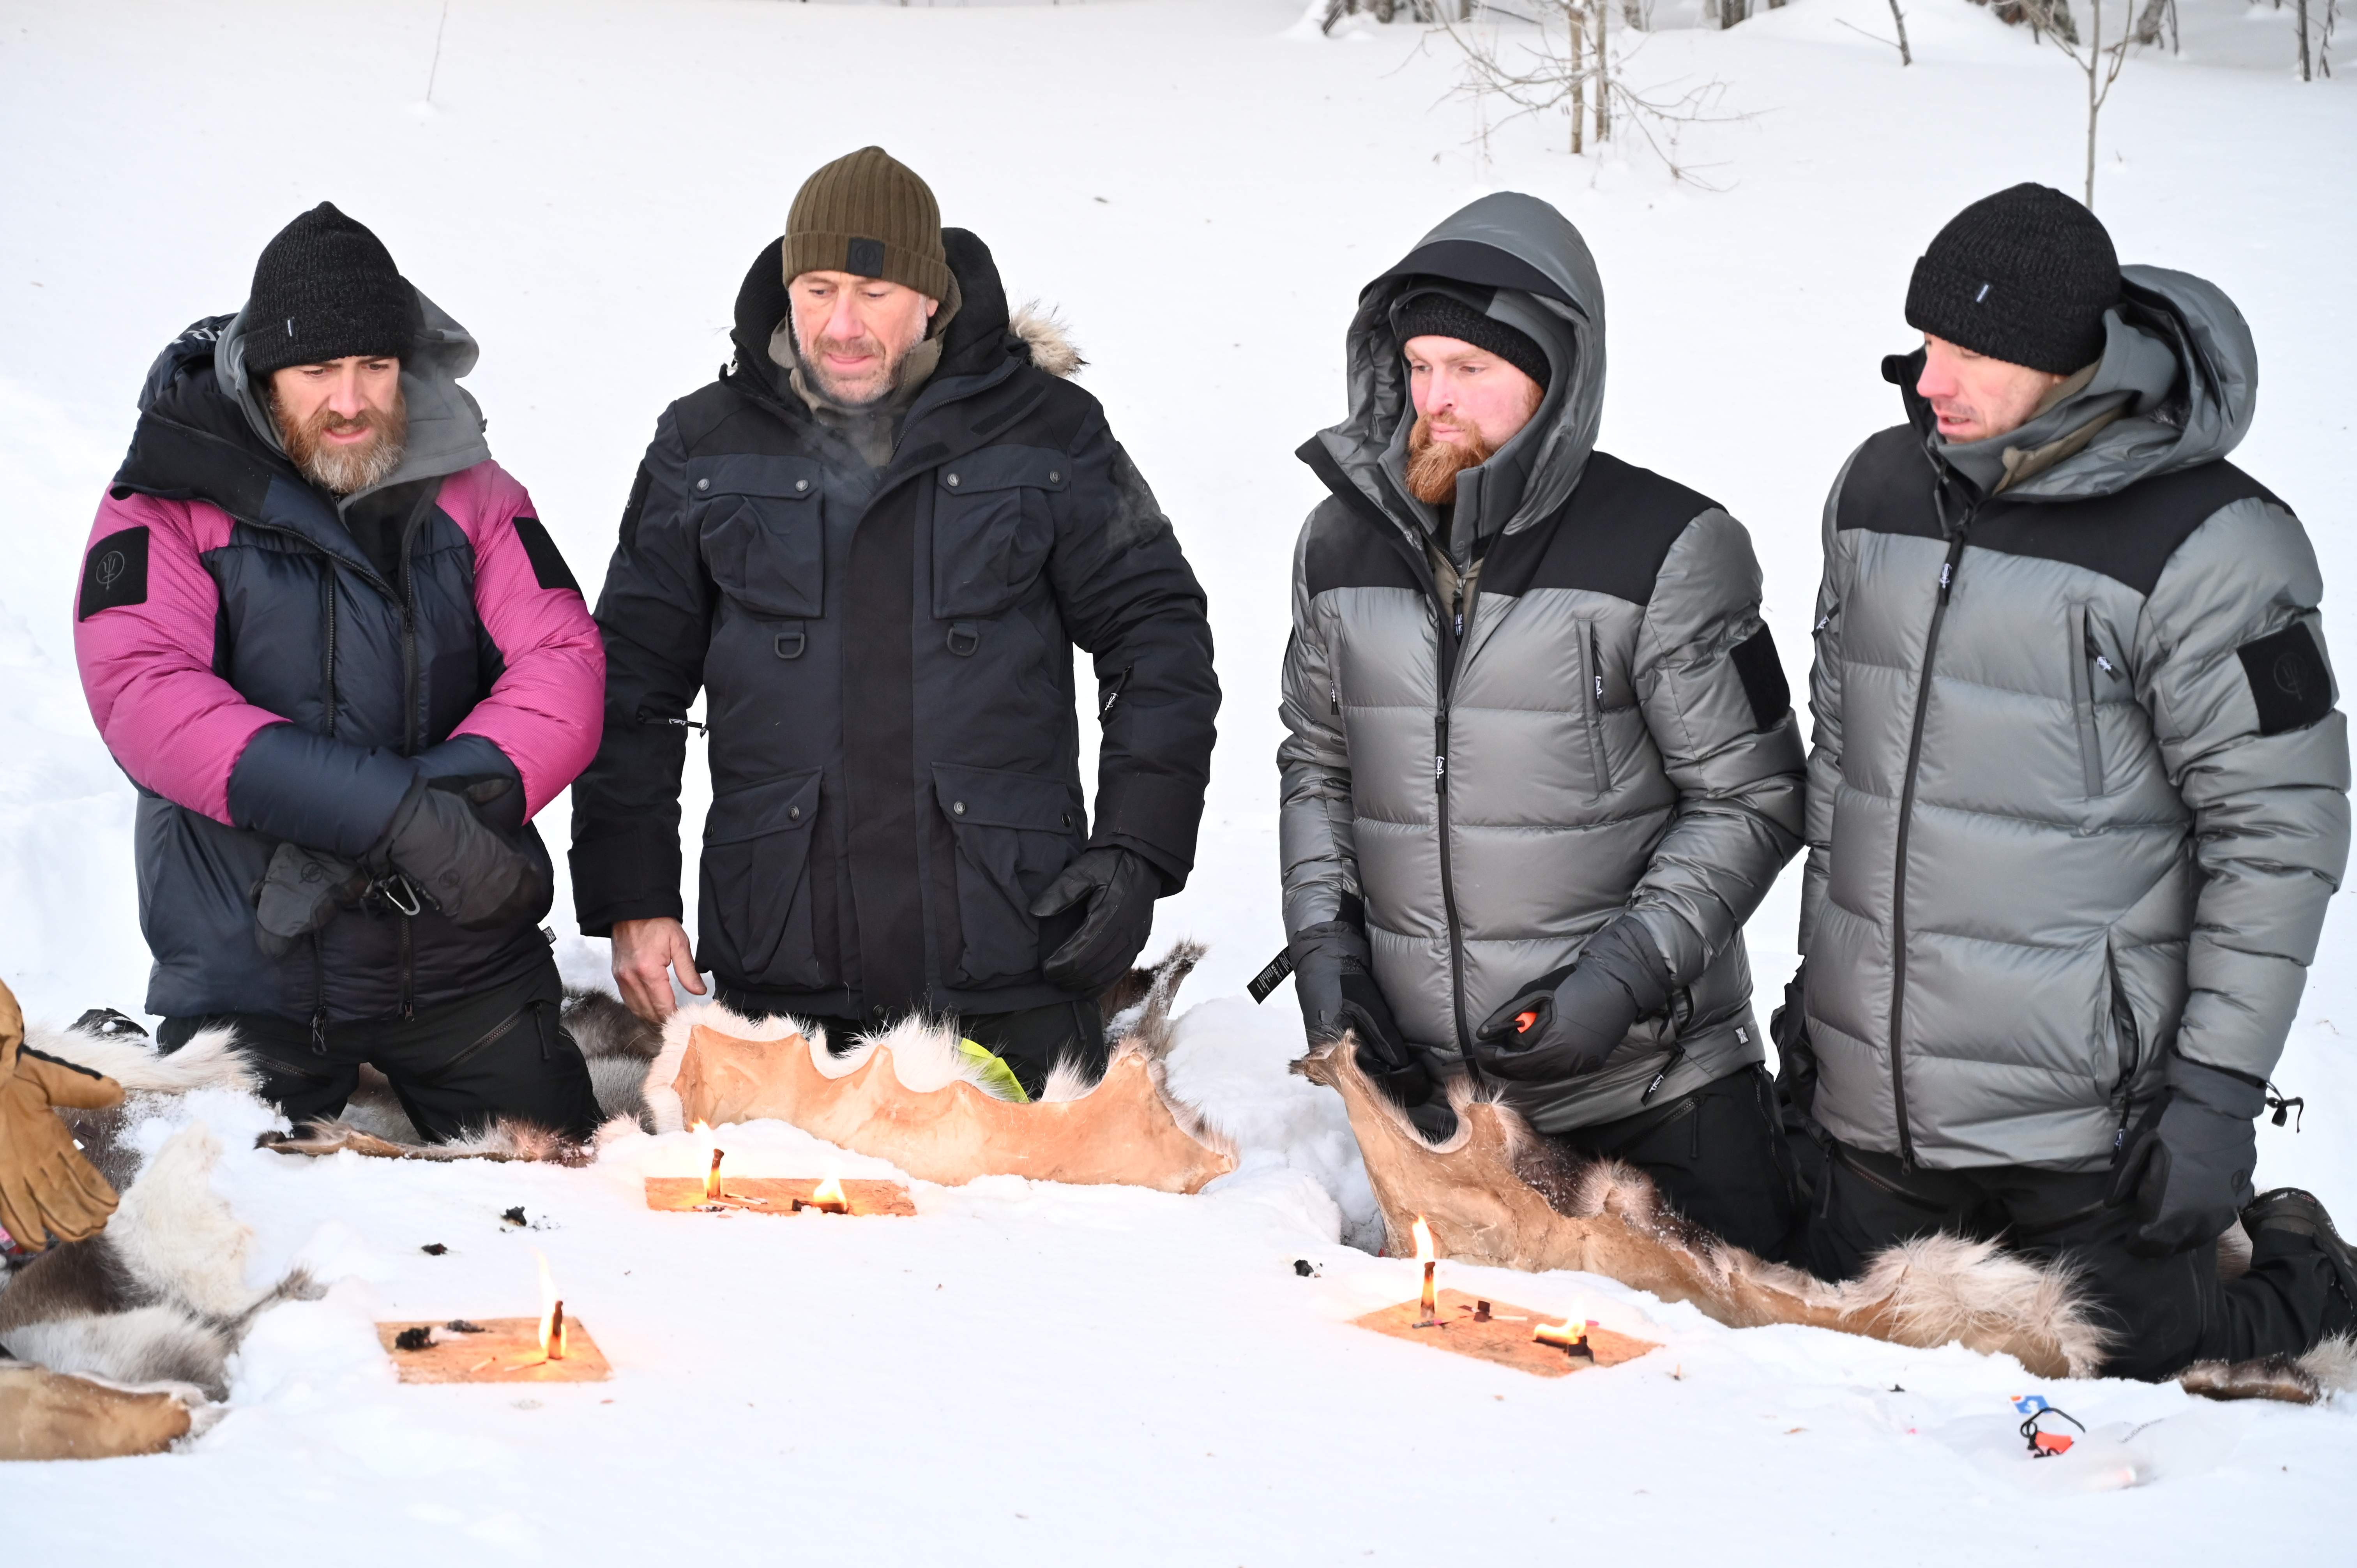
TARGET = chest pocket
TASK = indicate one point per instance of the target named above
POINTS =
(758, 524)
(992, 528)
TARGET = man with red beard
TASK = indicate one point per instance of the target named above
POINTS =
(327, 637)
(1543, 762)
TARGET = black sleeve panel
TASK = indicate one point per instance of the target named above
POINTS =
(1128, 597)
(655, 614)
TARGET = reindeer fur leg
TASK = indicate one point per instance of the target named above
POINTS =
(159, 1293)
(1496, 1193)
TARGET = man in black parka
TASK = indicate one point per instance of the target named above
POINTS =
(873, 541)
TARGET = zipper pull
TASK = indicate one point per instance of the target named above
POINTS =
(1947, 574)
(320, 1030)
(1338, 697)
(1600, 689)
(1440, 765)
(2096, 653)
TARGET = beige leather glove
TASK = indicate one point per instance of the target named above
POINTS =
(46, 1188)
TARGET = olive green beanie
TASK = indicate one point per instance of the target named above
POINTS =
(868, 214)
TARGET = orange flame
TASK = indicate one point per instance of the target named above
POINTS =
(699, 1125)
(1422, 1241)
(829, 1191)
(551, 1313)
(712, 1177)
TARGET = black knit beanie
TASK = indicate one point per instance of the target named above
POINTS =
(326, 288)
(1434, 315)
(2024, 276)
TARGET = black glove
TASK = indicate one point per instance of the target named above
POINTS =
(1578, 1013)
(1796, 1058)
(302, 891)
(2188, 1162)
(1337, 989)
(1121, 887)
(446, 853)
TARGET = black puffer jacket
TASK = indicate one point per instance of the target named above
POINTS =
(894, 749)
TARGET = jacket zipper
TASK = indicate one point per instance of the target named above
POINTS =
(2082, 701)
(1450, 646)
(1906, 815)
(330, 671)
(409, 700)
(1596, 746)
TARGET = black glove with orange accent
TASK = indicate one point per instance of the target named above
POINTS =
(1566, 1023)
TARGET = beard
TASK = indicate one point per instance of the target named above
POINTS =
(864, 392)
(341, 469)
(1433, 465)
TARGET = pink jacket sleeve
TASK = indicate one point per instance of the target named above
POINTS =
(547, 710)
(147, 666)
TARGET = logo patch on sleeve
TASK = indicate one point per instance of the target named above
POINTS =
(1762, 674)
(114, 573)
(2290, 680)
(547, 563)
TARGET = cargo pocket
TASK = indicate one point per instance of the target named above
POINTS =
(757, 850)
(991, 529)
(758, 524)
(1014, 832)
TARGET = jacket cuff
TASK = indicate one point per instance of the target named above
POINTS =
(317, 792)
(625, 876)
(477, 757)
(2216, 1088)
(1154, 814)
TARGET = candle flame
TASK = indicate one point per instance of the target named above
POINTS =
(548, 1305)
(829, 1191)
(1572, 1331)
(1422, 1241)
(699, 1125)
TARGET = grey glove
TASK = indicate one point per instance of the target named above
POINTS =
(452, 860)
(1566, 1023)
(1334, 981)
(302, 891)
(1121, 888)
(2187, 1165)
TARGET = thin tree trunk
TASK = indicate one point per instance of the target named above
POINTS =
(1578, 81)
(2304, 75)
(1899, 17)
(2094, 104)
(1603, 81)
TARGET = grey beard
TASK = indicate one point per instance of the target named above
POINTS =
(343, 470)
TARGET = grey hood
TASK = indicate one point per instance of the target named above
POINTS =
(2179, 383)
(445, 423)
(1522, 263)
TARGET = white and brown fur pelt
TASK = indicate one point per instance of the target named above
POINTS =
(1136, 1010)
(1495, 1192)
(160, 1294)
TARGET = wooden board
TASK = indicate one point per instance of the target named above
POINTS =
(507, 1351)
(775, 1195)
(1505, 1338)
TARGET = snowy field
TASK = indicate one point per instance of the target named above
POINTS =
(1028, 1373)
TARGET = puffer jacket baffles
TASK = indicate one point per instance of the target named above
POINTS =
(1608, 728)
(2077, 791)
(262, 676)
(888, 655)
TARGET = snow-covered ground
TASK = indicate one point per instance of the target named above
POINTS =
(1031, 1373)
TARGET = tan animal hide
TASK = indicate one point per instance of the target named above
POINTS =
(53, 1415)
(1495, 1193)
(903, 1097)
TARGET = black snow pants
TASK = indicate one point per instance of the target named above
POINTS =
(2163, 1312)
(1718, 1153)
(500, 1054)
(1030, 1041)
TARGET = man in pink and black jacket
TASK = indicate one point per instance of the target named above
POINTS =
(345, 665)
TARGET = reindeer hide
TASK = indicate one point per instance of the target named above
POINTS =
(54, 1416)
(909, 1096)
(1495, 1193)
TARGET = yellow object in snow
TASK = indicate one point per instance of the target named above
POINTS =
(998, 1079)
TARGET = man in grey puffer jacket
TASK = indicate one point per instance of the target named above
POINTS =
(2077, 797)
(1542, 761)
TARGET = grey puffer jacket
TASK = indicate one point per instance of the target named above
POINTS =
(2077, 791)
(1606, 729)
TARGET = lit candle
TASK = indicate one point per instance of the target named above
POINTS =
(1424, 1256)
(826, 1198)
(712, 1177)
